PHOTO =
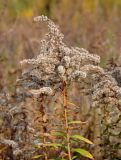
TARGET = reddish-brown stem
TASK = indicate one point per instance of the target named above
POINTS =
(44, 129)
(66, 120)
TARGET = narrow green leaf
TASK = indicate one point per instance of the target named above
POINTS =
(56, 145)
(60, 134)
(72, 104)
(76, 122)
(37, 146)
(74, 157)
(81, 138)
(83, 153)
(37, 156)
(59, 159)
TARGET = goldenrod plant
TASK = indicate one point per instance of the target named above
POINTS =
(41, 118)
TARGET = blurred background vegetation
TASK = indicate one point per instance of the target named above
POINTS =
(92, 24)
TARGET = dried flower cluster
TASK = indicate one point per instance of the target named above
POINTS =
(106, 91)
(56, 62)
(107, 97)
(14, 126)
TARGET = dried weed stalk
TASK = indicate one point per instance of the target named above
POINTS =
(55, 66)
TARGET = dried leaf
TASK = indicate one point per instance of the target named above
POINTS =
(76, 122)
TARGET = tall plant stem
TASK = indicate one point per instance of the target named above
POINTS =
(66, 120)
(44, 128)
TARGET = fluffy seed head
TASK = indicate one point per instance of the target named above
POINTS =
(57, 62)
